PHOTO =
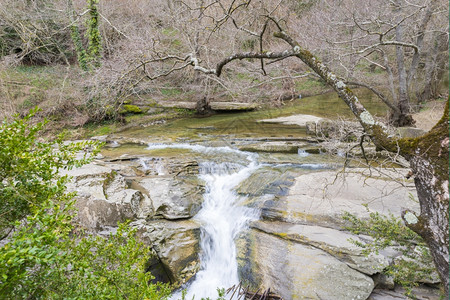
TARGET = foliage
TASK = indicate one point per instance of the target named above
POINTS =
(415, 262)
(47, 257)
(79, 49)
(93, 34)
(29, 168)
(89, 58)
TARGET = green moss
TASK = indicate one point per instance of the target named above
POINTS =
(131, 109)
(282, 235)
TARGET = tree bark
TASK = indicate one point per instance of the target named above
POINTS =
(403, 97)
(429, 164)
(419, 42)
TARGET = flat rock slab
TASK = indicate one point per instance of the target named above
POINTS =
(218, 106)
(299, 120)
(321, 198)
(232, 106)
(177, 104)
(297, 271)
(281, 147)
(334, 242)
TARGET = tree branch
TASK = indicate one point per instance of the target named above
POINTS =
(376, 92)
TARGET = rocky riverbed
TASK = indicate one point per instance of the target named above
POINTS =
(298, 247)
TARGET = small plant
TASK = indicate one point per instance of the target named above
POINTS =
(414, 265)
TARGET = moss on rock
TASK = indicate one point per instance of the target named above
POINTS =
(130, 109)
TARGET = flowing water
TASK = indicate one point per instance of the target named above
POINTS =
(222, 217)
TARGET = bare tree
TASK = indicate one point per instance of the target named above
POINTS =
(428, 155)
(390, 37)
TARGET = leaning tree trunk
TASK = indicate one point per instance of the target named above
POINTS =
(428, 155)
(429, 160)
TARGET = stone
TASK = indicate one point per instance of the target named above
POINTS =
(174, 198)
(104, 199)
(281, 147)
(217, 106)
(410, 132)
(321, 198)
(176, 244)
(232, 106)
(421, 292)
(334, 242)
(299, 120)
(296, 271)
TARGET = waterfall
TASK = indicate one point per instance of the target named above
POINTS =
(222, 218)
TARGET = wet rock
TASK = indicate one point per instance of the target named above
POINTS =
(281, 147)
(174, 198)
(266, 181)
(176, 244)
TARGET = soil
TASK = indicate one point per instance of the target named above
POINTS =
(429, 115)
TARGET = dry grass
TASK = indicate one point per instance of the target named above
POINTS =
(430, 114)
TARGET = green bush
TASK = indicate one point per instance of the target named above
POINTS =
(47, 257)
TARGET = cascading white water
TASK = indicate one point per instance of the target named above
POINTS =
(222, 219)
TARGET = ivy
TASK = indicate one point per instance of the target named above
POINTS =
(79, 49)
(88, 57)
(93, 34)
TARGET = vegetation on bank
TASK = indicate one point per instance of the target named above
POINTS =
(415, 263)
(92, 57)
(44, 254)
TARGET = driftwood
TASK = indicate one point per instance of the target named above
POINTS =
(239, 292)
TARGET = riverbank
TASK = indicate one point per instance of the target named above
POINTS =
(60, 92)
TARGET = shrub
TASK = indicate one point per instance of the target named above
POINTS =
(47, 257)
(415, 263)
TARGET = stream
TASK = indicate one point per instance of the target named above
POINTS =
(222, 218)
(221, 145)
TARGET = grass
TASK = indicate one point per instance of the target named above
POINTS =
(171, 92)
(104, 128)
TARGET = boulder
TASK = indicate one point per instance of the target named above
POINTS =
(176, 244)
(334, 242)
(321, 198)
(104, 199)
(174, 197)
